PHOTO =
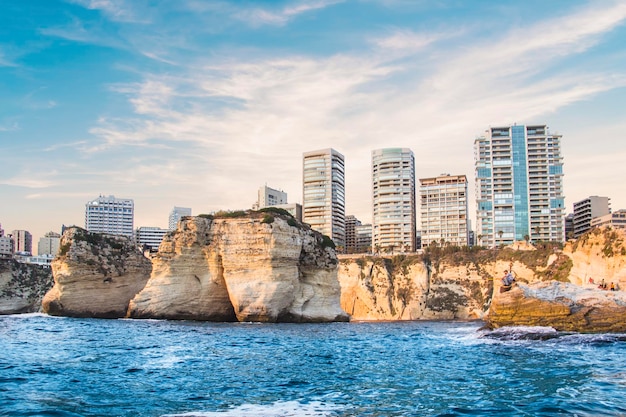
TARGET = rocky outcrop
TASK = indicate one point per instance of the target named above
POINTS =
(262, 267)
(22, 286)
(598, 255)
(442, 284)
(95, 275)
(563, 306)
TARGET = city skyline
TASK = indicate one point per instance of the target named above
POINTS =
(197, 104)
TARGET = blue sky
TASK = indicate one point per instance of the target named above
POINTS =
(197, 103)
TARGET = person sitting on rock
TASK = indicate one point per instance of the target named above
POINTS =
(612, 286)
(508, 279)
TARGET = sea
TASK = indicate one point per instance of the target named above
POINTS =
(52, 366)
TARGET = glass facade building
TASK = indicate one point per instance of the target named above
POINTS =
(323, 193)
(519, 185)
(393, 195)
(110, 215)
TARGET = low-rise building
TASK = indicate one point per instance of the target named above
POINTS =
(616, 219)
(49, 244)
(150, 237)
(587, 210)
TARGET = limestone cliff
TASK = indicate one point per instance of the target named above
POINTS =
(22, 286)
(598, 255)
(95, 275)
(563, 306)
(248, 267)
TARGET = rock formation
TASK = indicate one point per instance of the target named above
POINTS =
(598, 255)
(95, 275)
(22, 286)
(255, 267)
(563, 306)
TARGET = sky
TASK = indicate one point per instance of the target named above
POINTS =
(198, 103)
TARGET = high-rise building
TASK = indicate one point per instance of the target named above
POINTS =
(587, 210)
(151, 237)
(49, 244)
(22, 241)
(444, 210)
(519, 185)
(323, 191)
(269, 197)
(393, 192)
(110, 215)
(175, 215)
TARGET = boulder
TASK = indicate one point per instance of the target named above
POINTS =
(22, 286)
(563, 306)
(262, 267)
(95, 275)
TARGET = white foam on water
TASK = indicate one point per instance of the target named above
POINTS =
(277, 409)
(31, 315)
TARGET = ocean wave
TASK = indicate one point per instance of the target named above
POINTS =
(277, 409)
(538, 333)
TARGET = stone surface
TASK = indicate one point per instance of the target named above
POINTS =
(247, 268)
(95, 275)
(563, 306)
(599, 254)
(22, 286)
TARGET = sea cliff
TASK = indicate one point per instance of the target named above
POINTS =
(22, 286)
(95, 275)
(266, 267)
(263, 267)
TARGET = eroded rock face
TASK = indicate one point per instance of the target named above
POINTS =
(411, 288)
(246, 269)
(563, 306)
(95, 275)
(22, 286)
(598, 255)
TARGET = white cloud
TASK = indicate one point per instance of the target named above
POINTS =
(27, 182)
(247, 123)
(117, 10)
(407, 40)
(6, 62)
(260, 16)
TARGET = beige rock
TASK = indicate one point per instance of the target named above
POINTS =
(22, 286)
(186, 281)
(243, 268)
(563, 306)
(599, 254)
(95, 275)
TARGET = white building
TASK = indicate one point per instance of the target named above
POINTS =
(151, 237)
(588, 209)
(49, 244)
(110, 215)
(519, 185)
(393, 192)
(617, 219)
(444, 210)
(22, 241)
(6, 245)
(270, 197)
(175, 215)
(323, 191)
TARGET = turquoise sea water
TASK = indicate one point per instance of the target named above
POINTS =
(85, 367)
